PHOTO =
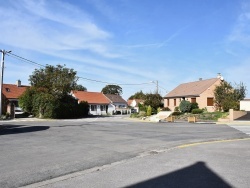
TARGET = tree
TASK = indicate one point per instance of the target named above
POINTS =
(80, 88)
(185, 106)
(58, 80)
(49, 94)
(138, 95)
(228, 97)
(112, 89)
(153, 100)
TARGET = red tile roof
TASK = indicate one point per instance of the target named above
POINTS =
(191, 88)
(91, 97)
(12, 91)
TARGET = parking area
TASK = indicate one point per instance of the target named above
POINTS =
(34, 151)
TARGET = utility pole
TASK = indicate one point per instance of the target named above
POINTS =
(157, 87)
(1, 79)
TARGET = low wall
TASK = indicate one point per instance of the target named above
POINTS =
(236, 114)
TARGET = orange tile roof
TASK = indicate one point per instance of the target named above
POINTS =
(12, 91)
(191, 88)
(91, 97)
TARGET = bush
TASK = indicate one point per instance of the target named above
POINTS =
(149, 111)
(194, 106)
(176, 113)
(197, 111)
(176, 109)
(185, 106)
(165, 109)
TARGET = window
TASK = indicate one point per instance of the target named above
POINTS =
(7, 89)
(174, 102)
(167, 102)
(193, 100)
(103, 107)
(210, 101)
(93, 108)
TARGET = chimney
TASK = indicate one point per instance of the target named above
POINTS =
(18, 83)
(218, 75)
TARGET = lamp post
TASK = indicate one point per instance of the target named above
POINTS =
(1, 81)
(157, 88)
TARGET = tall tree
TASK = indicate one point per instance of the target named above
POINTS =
(49, 95)
(228, 97)
(57, 80)
(138, 95)
(153, 100)
(112, 89)
(80, 88)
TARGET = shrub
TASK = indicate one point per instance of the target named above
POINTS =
(176, 113)
(194, 106)
(185, 106)
(197, 111)
(176, 109)
(149, 111)
(165, 109)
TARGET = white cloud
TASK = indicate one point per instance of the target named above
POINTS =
(49, 25)
(241, 30)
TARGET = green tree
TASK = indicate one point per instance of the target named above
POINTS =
(228, 97)
(185, 106)
(138, 95)
(112, 89)
(80, 88)
(49, 95)
(153, 100)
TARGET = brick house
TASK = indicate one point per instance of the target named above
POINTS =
(201, 91)
(11, 94)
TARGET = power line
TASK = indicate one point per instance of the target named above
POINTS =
(92, 80)
(24, 59)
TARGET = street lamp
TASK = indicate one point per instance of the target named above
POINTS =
(1, 81)
(155, 82)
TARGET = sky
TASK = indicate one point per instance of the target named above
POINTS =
(131, 43)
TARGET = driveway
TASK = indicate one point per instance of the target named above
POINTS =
(34, 151)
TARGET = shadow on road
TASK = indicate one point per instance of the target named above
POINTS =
(197, 175)
(17, 129)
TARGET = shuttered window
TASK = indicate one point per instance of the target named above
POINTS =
(210, 101)
(193, 100)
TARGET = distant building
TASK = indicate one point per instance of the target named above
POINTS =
(201, 92)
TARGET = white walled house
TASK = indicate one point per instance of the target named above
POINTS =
(245, 105)
(117, 104)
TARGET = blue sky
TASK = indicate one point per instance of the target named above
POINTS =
(129, 41)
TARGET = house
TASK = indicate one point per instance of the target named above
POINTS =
(245, 105)
(98, 102)
(11, 93)
(201, 92)
(134, 104)
(117, 104)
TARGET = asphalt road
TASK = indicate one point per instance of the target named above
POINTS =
(35, 151)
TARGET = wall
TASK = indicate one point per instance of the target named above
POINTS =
(236, 114)
(245, 105)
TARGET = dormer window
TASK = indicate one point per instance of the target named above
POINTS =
(7, 89)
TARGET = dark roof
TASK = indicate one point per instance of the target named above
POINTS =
(115, 98)
(191, 88)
